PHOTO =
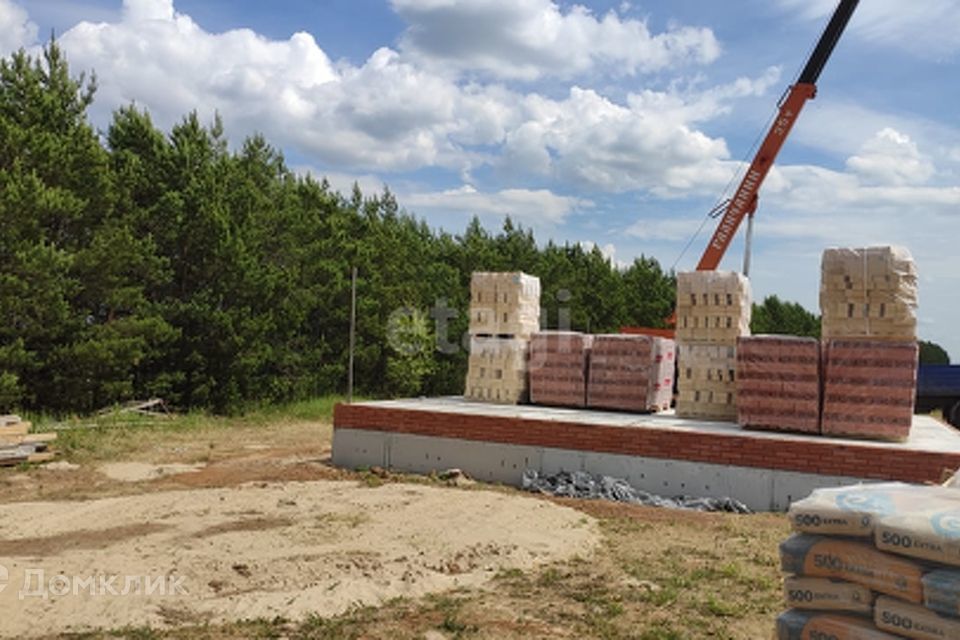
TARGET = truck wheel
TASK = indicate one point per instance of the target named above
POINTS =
(954, 415)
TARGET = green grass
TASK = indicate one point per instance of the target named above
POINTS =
(108, 436)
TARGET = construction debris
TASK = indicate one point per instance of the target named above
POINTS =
(18, 445)
(631, 373)
(581, 484)
(558, 368)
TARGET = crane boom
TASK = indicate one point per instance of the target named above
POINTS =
(744, 201)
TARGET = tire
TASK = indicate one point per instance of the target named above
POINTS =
(954, 416)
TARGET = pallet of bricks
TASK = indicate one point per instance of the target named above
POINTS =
(18, 445)
(868, 302)
(778, 383)
(873, 562)
(504, 313)
(713, 310)
(558, 368)
(631, 373)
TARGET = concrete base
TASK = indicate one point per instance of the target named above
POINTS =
(759, 489)
(660, 454)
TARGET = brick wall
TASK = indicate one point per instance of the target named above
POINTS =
(820, 456)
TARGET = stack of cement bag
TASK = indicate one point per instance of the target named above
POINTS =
(558, 368)
(631, 373)
(874, 561)
(504, 313)
(713, 310)
(778, 383)
(868, 301)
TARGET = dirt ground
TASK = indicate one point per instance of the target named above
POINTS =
(263, 538)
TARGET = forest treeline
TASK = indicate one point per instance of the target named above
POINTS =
(139, 263)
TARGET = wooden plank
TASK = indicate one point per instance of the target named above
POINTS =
(9, 419)
(7, 439)
(41, 457)
(19, 428)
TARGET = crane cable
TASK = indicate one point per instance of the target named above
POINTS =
(723, 200)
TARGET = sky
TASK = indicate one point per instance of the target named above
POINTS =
(617, 124)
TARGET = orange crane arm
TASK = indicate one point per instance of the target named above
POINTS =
(744, 201)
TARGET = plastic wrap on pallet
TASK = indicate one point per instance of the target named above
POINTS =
(706, 383)
(869, 388)
(712, 307)
(857, 510)
(852, 561)
(912, 621)
(497, 370)
(505, 303)
(631, 373)
(868, 292)
(778, 383)
(825, 594)
(807, 625)
(558, 368)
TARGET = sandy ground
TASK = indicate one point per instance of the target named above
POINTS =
(263, 549)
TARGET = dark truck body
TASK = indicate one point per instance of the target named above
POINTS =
(938, 387)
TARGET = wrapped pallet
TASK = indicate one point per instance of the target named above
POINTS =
(504, 304)
(869, 388)
(497, 370)
(558, 368)
(707, 381)
(869, 292)
(778, 383)
(713, 310)
(631, 373)
(712, 307)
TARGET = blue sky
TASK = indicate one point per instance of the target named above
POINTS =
(612, 123)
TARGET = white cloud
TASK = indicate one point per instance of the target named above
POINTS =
(16, 28)
(529, 39)
(928, 29)
(530, 206)
(890, 157)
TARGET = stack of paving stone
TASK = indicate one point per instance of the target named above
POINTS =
(713, 310)
(868, 301)
(778, 383)
(558, 368)
(631, 373)
(873, 562)
(504, 313)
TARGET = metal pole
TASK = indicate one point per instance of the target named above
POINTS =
(748, 245)
(353, 333)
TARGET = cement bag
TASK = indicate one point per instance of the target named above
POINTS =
(931, 534)
(817, 625)
(852, 561)
(912, 621)
(855, 510)
(827, 595)
(941, 591)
